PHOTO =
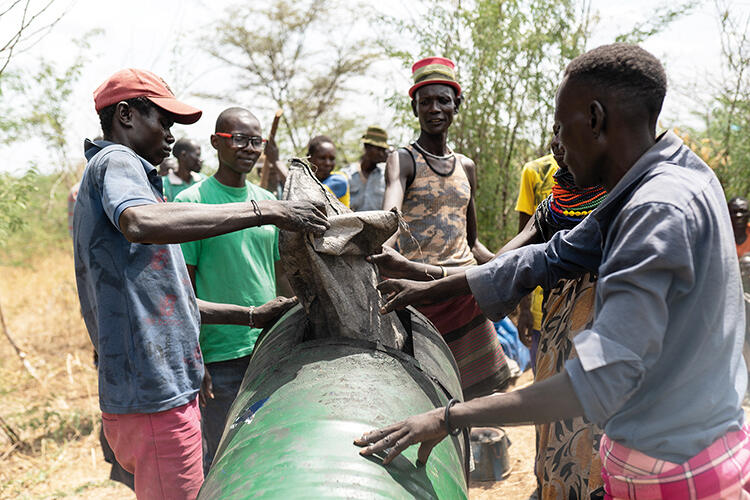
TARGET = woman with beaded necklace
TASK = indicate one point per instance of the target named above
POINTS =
(434, 187)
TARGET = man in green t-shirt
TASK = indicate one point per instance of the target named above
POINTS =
(234, 268)
(188, 155)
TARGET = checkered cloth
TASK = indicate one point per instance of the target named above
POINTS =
(720, 471)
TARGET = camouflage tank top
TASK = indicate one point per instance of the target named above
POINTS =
(434, 207)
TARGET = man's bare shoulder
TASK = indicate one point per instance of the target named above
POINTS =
(467, 162)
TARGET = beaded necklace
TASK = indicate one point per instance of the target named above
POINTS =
(427, 155)
(571, 202)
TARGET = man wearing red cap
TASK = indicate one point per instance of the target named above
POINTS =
(135, 293)
(434, 187)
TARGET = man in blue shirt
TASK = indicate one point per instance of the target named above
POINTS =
(135, 293)
(367, 176)
(669, 292)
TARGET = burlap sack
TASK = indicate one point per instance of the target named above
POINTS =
(329, 274)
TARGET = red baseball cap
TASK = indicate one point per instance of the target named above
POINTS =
(129, 83)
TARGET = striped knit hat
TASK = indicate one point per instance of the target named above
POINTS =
(376, 136)
(434, 70)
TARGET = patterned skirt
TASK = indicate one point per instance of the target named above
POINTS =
(567, 460)
(473, 340)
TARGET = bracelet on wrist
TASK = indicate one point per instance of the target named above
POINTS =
(256, 211)
(443, 272)
(251, 316)
(447, 418)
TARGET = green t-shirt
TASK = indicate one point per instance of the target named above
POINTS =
(234, 268)
(173, 185)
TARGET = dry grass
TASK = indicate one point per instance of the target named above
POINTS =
(57, 417)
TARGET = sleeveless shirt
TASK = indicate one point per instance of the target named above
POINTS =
(435, 207)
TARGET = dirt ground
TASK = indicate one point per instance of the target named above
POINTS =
(521, 481)
(55, 415)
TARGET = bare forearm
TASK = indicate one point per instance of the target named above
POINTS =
(454, 285)
(180, 222)
(481, 253)
(528, 235)
(523, 219)
(547, 401)
(429, 272)
(213, 313)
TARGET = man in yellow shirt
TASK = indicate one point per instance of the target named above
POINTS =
(537, 179)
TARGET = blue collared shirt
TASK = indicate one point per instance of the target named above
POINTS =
(136, 299)
(661, 368)
(366, 194)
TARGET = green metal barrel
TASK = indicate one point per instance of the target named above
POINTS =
(289, 433)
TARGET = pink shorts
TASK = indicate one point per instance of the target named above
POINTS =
(162, 450)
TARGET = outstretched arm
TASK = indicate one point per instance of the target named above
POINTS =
(231, 314)
(162, 223)
(547, 401)
(401, 293)
(392, 264)
(500, 284)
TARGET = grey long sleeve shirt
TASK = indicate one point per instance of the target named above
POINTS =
(661, 368)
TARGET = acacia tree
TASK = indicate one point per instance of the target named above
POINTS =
(510, 55)
(287, 52)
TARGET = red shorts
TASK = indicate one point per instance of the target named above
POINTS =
(162, 450)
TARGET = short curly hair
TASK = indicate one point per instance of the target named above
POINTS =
(634, 73)
(106, 115)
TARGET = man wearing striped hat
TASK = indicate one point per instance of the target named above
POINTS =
(434, 187)
(367, 176)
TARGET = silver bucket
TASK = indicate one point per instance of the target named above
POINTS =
(489, 447)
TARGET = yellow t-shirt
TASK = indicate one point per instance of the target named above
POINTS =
(537, 179)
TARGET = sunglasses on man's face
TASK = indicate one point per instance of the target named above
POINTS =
(242, 140)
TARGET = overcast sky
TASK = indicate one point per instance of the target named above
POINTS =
(143, 34)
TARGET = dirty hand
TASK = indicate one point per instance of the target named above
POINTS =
(401, 293)
(392, 264)
(267, 314)
(300, 216)
(427, 428)
(207, 389)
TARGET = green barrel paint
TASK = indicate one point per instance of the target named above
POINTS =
(289, 433)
